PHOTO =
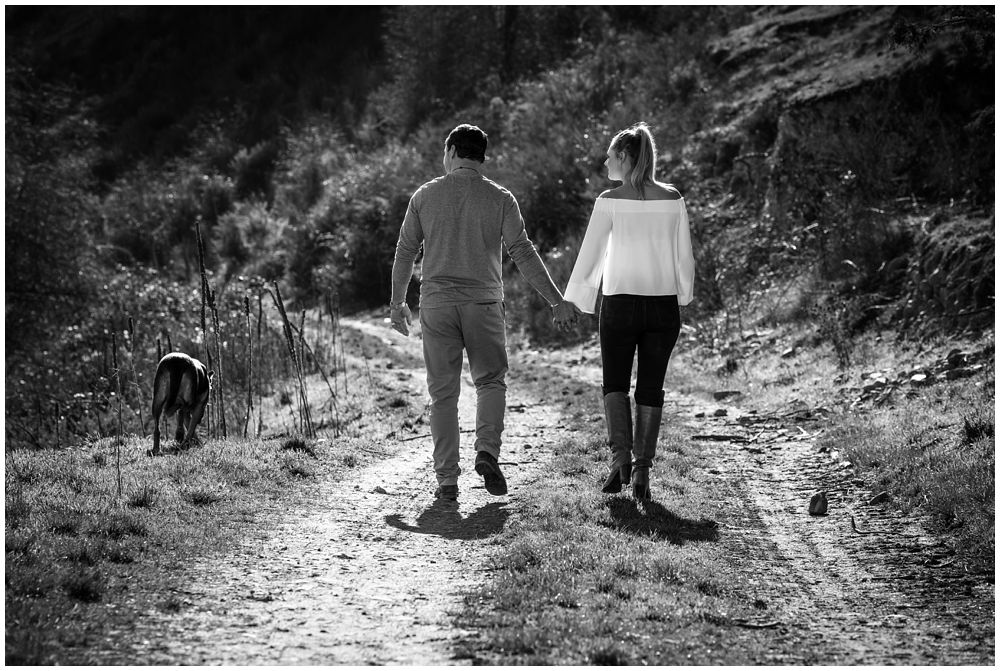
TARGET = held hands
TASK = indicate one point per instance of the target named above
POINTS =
(401, 318)
(565, 315)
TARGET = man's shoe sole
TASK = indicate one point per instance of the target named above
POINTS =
(493, 478)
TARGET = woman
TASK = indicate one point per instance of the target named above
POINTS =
(639, 241)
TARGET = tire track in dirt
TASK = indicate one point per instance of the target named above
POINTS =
(365, 570)
(881, 596)
(891, 594)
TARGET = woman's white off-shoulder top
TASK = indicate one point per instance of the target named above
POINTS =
(640, 247)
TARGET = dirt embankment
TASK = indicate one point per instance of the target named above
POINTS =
(370, 570)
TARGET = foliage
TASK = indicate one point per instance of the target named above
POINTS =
(305, 179)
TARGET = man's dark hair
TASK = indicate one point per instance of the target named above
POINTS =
(469, 142)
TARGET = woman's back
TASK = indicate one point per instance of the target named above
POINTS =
(654, 191)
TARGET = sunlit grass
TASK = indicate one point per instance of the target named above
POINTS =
(78, 549)
(584, 578)
(936, 454)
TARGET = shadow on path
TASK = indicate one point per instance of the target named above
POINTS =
(652, 520)
(442, 518)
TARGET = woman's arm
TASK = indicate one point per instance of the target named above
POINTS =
(684, 259)
(585, 281)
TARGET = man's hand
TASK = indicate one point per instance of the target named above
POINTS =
(401, 318)
(565, 314)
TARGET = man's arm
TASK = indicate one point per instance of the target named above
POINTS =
(411, 236)
(522, 250)
(531, 266)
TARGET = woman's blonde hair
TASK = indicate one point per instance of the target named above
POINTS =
(638, 144)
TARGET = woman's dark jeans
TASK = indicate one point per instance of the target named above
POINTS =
(647, 324)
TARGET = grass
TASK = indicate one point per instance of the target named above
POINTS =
(81, 559)
(932, 448)
(937, 456)
(582, 578)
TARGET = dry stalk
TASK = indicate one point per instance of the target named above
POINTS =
(118, 385)
(290, 342)
(208, 301)
(135, 378)
(332, 388)
(260, 390)
(304, 409)
(246, 419)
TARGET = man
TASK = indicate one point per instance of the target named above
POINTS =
(463, 221)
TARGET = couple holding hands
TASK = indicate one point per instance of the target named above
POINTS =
(638, 242)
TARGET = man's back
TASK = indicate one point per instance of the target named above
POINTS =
(463, 220)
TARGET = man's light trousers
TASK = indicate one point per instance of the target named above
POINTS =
(478, 329)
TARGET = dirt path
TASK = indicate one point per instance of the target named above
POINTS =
(370, 570)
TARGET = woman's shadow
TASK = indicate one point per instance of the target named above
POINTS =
(442, 518)
(651, 520)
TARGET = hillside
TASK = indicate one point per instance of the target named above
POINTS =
(840, 158)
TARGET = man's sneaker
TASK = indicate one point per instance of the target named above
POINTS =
(449, 492)
(487, 466)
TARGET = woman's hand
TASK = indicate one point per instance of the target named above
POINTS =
(565, 314)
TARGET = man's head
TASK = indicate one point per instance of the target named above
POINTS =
(468, 141)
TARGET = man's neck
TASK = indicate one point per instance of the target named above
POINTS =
(464, 165)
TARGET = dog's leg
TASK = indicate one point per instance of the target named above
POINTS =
(195, 418)
(182, 421)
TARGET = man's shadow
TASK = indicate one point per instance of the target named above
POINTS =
(442, 518)
(651, 520)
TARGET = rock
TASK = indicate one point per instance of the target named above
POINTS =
(722, 395)
(721, 412)
(878, 499)
(789, 353)
(919, 380)
(957, 358)
(959, 373)
(818, 504)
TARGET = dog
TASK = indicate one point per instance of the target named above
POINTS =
(182, 385)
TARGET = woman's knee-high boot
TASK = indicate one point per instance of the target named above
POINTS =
(647, 430)
(618, 415)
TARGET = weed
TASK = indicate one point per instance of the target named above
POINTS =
(65, 523)
(18, 544)
(201, 496)
(119, 524)
(976, 426)
(300, 445)
(85, 585)
(172, 604)
(16, 508)
(144, 497)
(84, 553)
(349, 460)
(296, 467)
(610, 655)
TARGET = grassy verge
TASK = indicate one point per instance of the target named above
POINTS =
(930, 446)
(584, 578)
(82, 560)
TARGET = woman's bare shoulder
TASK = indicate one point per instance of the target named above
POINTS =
(611, 193)
(662, 191)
